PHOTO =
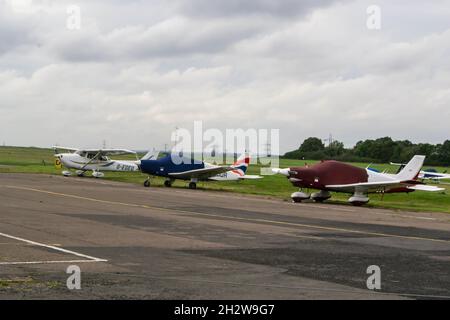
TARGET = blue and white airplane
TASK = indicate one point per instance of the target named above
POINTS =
(194, 171)
(428, 174)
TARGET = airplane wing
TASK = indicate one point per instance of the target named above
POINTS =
(203, 173)
(65, 148)
(95, 151)
(366, 186)
(381, 186)
(107, 152)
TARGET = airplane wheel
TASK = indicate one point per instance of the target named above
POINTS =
(168, 183)
(358, 204)
(147, 183)
(192, 185)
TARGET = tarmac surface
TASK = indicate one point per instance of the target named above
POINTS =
(131, 242)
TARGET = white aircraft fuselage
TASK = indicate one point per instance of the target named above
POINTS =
(78, 162)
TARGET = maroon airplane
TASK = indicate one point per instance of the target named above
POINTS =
(336, 176)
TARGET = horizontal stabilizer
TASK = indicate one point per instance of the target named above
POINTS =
(284, 172)
(151, 155)
(250, 177)
(422, 187)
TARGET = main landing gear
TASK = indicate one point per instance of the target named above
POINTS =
(80, 173)
(321, 196)
(168, 183)
(193, 184)
(358, 199)
(97, 174)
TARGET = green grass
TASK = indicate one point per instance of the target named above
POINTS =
(35, 160)
(27, 283)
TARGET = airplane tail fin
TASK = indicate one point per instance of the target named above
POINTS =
(241, 164)
(412, 169)
(151, 155)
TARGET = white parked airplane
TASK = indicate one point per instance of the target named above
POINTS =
(97, 161)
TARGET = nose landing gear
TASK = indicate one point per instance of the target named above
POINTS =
(192, 185)
(299, 196)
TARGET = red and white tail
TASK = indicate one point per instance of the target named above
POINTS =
(241, 165)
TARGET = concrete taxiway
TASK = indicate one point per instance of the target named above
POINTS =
(136, 243)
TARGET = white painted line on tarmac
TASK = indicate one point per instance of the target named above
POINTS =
(34, 243)
(48, 262)
(404, 216)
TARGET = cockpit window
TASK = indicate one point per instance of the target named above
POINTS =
(93, 156)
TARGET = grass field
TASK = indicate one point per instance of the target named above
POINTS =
(36, 160)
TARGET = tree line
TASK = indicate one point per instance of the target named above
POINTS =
(380, 150)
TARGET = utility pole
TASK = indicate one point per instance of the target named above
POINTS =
(268, 150)
(176, 135)
(330, 140)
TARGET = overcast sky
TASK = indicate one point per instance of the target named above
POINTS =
(137, 69)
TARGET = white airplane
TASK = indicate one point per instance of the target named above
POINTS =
(97, 161)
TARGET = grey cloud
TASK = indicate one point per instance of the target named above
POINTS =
(14, 32)
(220, 8)
(195, 27)
(178, 36)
